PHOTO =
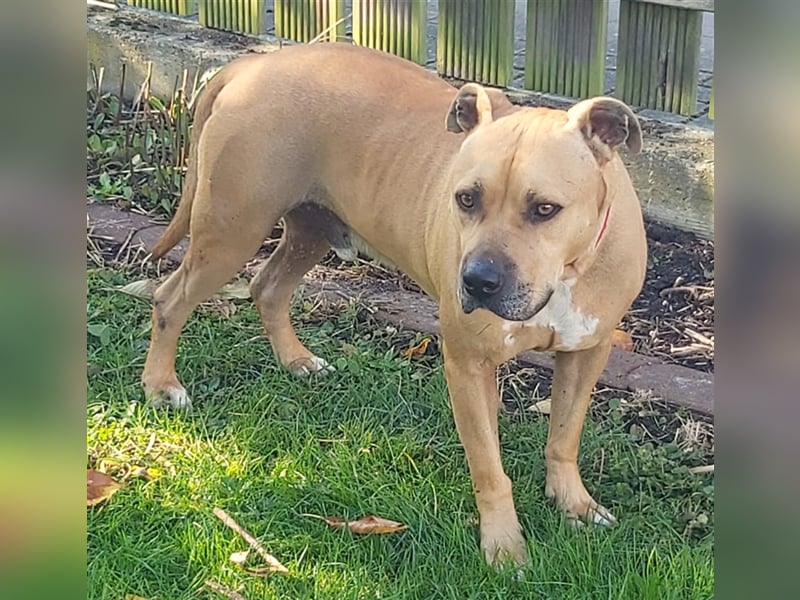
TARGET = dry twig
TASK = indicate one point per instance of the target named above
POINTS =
(273, 562)
(701, 470)
(323, 34)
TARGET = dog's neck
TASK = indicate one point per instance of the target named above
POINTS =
(582, 264)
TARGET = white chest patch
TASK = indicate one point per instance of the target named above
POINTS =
(560, 315)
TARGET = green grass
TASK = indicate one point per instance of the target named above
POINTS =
(376, 437)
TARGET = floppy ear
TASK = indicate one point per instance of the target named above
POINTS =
(606, 123)
(471, 107)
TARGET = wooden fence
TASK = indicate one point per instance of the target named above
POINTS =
(658, 48)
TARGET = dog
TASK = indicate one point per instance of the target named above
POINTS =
(521, 222)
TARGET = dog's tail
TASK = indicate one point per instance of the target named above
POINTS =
(179, 226)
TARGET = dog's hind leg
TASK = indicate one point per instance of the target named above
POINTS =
(303, 244)
(223, 238)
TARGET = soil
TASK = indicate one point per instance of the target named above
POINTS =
(646, 418)
(673, 317)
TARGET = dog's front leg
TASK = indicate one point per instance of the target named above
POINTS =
(472, 384)
(573, 380)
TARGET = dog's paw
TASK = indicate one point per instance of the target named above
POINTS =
(504, 546)
(303, 367)
(596, 515)
(600, 515)
(173, 396)
(566, 489)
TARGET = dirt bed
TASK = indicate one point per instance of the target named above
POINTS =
(673, 317)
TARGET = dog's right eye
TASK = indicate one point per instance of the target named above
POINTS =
(465, 201)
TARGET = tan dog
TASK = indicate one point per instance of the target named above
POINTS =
(521, 222)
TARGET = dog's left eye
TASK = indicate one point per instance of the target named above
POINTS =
(465, 200)
(543, 211)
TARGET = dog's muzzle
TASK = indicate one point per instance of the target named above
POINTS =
(483, 277)
(489, 281)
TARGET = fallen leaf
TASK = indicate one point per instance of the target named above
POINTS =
(418, 349)
(367, 525)
(99, 487)
(622, 340)
(143, 288)
(542, 407)
(134, 597)
(236, 289)
(239, 558)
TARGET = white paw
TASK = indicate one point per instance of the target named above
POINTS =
(599, 515)
(303, 367)
(169, 397)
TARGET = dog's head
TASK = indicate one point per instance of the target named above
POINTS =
(530, 195)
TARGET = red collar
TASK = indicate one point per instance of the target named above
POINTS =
(603, 228)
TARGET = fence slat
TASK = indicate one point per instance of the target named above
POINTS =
(362, 33)
(658, 56)
(419, 32)
(476, 40)
(596, 61)
(492, 73)
(304, 20)
(548, 16)
(645, 84)
(399, 27)
(565, 46)
(395, 26)
(661, 60)
(638, 72)
(691, 63)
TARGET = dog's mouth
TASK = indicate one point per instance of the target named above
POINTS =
(518, 305)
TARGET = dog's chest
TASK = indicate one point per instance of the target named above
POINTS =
(564, 324)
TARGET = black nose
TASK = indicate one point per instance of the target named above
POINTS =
(482, 277)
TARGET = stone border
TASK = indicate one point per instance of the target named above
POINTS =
(674, 175)
(675, 384)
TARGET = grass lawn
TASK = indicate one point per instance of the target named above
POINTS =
(377, 437)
